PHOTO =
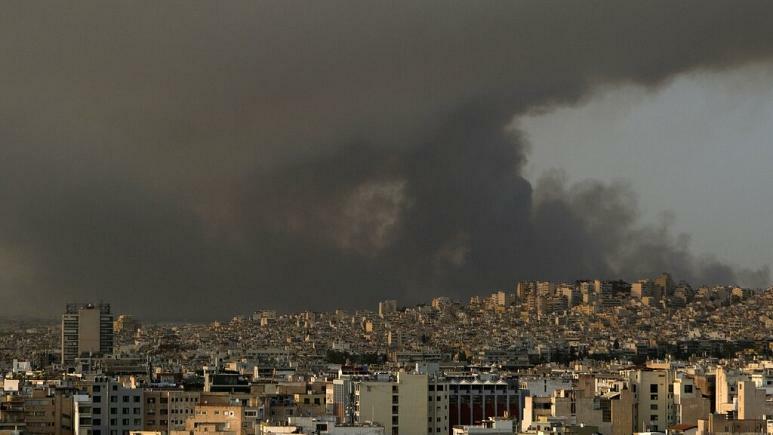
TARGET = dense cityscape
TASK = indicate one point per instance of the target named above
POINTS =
(348, 217)
(587, 357)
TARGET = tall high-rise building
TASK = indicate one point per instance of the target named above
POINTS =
(87, 329)
(665, 285)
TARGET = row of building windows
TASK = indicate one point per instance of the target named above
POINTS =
(114, 422)
(113, 411)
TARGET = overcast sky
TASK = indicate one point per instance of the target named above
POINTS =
(194, 160)
(700, 148)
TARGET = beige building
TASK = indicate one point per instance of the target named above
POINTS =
(401, 406)
(611, 413)
(224, 412)
(86, 330)
(167, 409)
(752, 402)
(49, 412)
(726, 392)
(720, 424)
(218, 418)
(690, 402)
(641, 289)
(652, 392)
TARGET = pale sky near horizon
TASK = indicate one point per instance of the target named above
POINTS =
(700, 147)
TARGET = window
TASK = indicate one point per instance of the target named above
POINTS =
(96, 410)
(96, 399)
(113, 399)
(654, 417)
(151, 400)
(113, 411)
(96, 388)
(653, 388)
(653, 397)
(136, 399)
(125, 410)
(164, 400)
(654, 406)
(96, 422)
(688, 389)
(125, 398)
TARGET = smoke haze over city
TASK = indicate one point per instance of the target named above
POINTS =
(195, 160)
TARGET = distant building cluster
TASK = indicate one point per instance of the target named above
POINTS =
(584, 357)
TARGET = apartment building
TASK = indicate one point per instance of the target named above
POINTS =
(166, 409)
(400, 405)
(116, 408)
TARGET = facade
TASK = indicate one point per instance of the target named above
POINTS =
(471, 401)
(342, 399)
(399, 405)
(653, 392)
(49, 412)
(87, 330)
(721, 424)
(752, 403)
(230, 417)
(690, 402)
(116, 408)
(82, 415)
(166, 409)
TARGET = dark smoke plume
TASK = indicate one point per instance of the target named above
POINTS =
(196, 159)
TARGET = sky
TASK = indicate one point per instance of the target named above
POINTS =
(712, 139)
(196, 160)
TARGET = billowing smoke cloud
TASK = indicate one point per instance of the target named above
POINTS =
(197, 159)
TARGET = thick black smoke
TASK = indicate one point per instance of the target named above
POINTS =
(196, 159)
